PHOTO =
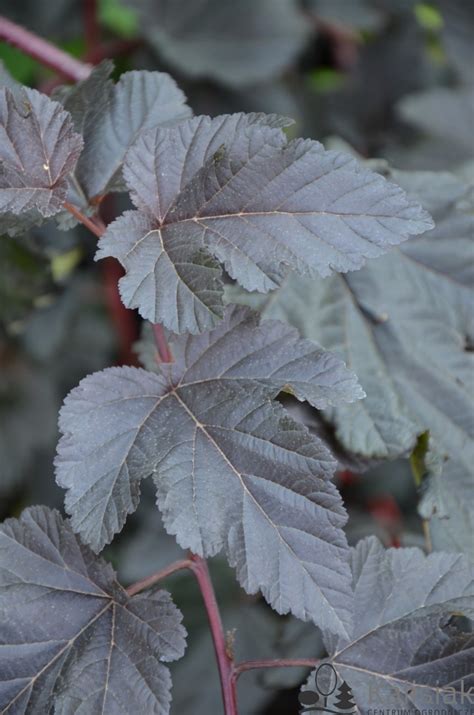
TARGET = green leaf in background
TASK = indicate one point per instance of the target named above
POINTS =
(117, 17)
(22, 68)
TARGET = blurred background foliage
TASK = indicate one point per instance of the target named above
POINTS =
(386, 79)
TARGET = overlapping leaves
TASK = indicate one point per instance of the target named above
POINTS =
(233, 191)
(38, 149)
(111, 117)
(413, 648)
(403, 324)
(233, 472)
(41, 163)
(71, 639)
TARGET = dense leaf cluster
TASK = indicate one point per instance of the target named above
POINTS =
(284, 273)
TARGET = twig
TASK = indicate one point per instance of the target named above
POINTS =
(240, 668)
(197, 564)
(91, 26)
(43, 51)
(224, 662)
(75, 70)
(159, 576)
(123, 319)
(97, 227)
(160, 339)
(65, 65)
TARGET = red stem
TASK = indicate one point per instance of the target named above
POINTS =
(113, 274)
(123, 319)
(224, 659)
(159, 576)
(96, 226)
(160, 339)
(91, 27)
(43, 51)
(65, 65)
(229, 671)
(225, 663)
(277, 663)
(72, 69)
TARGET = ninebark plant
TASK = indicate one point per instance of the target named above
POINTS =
(234, 472)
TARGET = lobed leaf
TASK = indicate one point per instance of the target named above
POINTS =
(38, 149)
(233, 188)
(403, 324)
(233, 472)
(411, 649)
(111, 117)
(13, 224)
(93, 649)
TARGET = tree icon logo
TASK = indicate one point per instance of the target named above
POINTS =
(331, 694)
